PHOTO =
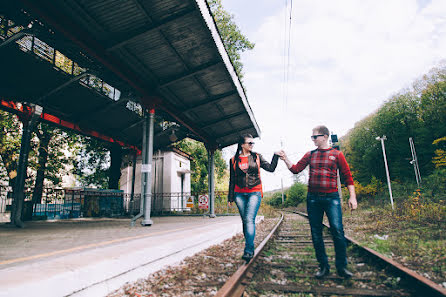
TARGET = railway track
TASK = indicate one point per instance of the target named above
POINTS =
(284, 265)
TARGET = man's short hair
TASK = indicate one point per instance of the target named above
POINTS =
(322, 130)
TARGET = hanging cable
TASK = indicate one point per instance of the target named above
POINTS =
(286, 64)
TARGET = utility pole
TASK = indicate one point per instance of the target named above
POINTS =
(281, 182)
(414, 161)
(334, 144)
(387, 169)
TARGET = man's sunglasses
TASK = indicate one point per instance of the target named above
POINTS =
(316, 136)
(250, 143)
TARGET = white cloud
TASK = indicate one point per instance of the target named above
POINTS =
(347, 57)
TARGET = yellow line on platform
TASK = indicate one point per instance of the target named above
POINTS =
(83, 247)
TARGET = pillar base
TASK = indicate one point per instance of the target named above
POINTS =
(148, 222)
(212, 216)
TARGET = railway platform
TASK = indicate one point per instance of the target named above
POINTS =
(92, 257)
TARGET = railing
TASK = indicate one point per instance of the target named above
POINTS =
(180, 203)
(52, 198)
(59, 203)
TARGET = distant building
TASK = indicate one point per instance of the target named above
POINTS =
(171, 183)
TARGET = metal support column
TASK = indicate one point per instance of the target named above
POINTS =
(211, 182)
(146, 170)
(19, 188)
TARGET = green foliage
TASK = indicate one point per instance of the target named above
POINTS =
(92, 163)
(274, 199)
(434, 185)
(420, 113)
(293, 196)
(234, 41)
(199, 166)
(296, 194)
(10, 137)
(58, 145)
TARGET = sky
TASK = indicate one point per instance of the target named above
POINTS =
(346, 58)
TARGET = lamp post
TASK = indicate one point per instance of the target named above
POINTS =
(387, 169)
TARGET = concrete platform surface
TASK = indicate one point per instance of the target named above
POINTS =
(92, 257)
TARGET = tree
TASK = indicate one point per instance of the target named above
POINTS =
(419, 112)
(296, 194)
(10, 137)
(199, 163)
(91, 165)
(55, 149)
(440, 153)
(234, 41)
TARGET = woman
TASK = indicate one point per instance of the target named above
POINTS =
(245, 187)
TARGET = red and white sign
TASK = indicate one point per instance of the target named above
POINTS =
(203, 202)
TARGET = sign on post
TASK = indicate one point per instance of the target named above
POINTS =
(190, 202)
(203, 202)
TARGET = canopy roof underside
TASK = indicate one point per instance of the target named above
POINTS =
(164, 54)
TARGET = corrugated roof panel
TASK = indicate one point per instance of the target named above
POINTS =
(222, 129)
(163, 9)
(166, 49)
(116, 15)
(207, 114)
(190, 42)
(188, 91)
(216, 81)
(230, 106)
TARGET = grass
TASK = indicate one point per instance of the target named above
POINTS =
(415, 230)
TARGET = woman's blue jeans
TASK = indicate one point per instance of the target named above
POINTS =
(329, 203)
(248, 204)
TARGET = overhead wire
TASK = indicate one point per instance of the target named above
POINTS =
(286, 64)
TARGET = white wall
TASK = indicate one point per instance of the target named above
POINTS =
(167, 168)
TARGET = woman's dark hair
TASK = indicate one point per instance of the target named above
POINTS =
(241, 140)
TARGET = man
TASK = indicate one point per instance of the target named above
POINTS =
(323, 197)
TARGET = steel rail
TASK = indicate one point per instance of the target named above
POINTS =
(234, 286)
(434, 289)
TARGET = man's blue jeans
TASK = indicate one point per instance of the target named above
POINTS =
(329, 203)
(248, 204)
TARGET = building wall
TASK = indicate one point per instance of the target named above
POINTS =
(167, 170)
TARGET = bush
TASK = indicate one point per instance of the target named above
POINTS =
(274, 200)
(296, 194)
(434, 186)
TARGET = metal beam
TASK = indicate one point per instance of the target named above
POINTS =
(210, 100)
(147, 29)
(65, 25)
(64, 85)
(89, 114)
(134, 124)
(15, 37)
(209, 124)
(240, 130)
(189, 73)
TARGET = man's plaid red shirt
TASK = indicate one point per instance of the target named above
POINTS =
(323, 169)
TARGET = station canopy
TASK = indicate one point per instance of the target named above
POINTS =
(97, 64)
